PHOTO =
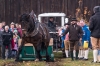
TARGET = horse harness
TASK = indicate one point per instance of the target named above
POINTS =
(36, 30)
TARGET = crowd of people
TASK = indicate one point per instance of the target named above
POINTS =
(77, 37)
(9, 37)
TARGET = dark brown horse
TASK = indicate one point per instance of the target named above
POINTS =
(36, 33)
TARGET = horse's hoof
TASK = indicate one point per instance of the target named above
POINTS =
(17, 60)
(40, 59)
(49, 60)
(36, 60)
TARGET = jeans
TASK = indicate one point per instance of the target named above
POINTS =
(3, 51)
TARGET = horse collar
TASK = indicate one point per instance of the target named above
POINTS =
(36, 29)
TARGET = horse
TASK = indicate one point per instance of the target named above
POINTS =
(35, 33)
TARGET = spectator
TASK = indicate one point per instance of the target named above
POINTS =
(0, 37)
(95, 32)
(66, 41)
(3, 24)
(51, 25)
(16, 38)
(7, 37)
(19, 30)
(75, 34)
(85, 37)
(12, 27)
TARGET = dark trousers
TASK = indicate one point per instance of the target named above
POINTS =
(74, 46)
(3, 51)
(0, 51)
(0, 48)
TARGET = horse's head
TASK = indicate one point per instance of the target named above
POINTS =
(27, 20)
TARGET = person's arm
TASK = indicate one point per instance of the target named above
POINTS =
(81, 32)
(11, 35)
(91, 26)
(87, 34)
(65, 32)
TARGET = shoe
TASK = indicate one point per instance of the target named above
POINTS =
(81, 58)
(85, 59)
(76, 58)
(94, 62)
(71, 53)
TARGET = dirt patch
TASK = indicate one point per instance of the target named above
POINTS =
(55, 63)
(11, 64)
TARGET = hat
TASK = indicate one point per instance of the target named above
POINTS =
(15, 31)
(73, 19)
(12, 23)
(96, 9)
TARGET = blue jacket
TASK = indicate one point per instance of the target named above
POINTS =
(63, 38)
(86, 34)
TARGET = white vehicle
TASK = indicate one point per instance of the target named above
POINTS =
(62, 15)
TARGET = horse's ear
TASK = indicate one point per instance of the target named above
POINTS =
(32, 13)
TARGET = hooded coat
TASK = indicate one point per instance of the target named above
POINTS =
(94, 21)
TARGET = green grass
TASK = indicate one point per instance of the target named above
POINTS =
(59, 62)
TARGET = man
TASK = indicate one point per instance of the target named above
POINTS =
(66, 42)
(12, 27)
(52, 29)
(95, 32)
(3, 24)
(1, 30)
(75, 34)
(85, 37)
(51, 25)
(6, 37)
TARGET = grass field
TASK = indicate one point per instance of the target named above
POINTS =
(59, 61)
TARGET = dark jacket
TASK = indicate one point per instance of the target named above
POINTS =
(7, 37)
(0, 36)
(52, 26)
(95, 25)
(75, 33)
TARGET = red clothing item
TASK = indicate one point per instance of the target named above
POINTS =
(67, 36)
(12, 43)
(20, 31)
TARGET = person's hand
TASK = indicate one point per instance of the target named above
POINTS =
(80, 39)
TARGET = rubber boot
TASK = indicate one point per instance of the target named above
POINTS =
(77, 51)
(71, 54)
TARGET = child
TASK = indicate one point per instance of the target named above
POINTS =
(16, 38)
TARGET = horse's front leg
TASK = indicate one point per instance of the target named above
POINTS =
(19, 50)
(47, 55)
(38, 56)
